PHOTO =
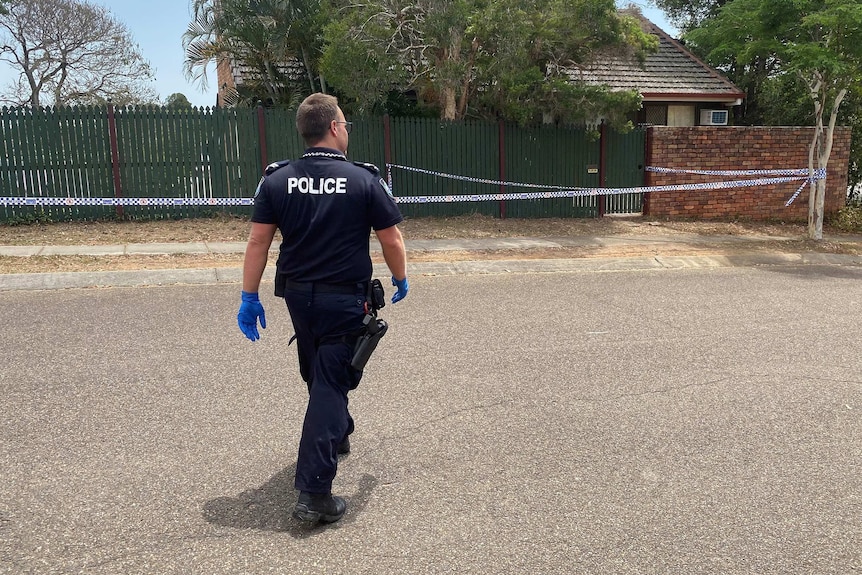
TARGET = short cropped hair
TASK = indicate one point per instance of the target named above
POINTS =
(314, 116)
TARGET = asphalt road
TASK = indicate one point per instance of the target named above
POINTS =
(644, 421)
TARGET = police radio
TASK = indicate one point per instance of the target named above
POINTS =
(374, 328)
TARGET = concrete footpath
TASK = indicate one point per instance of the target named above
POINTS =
(724, 251)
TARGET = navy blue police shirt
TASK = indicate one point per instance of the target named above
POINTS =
(325, 208)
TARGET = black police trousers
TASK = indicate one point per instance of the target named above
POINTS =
(327, 326)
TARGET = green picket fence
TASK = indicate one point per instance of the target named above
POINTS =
(467, 149)
(54, 153)
(153, 152)
(168, 153)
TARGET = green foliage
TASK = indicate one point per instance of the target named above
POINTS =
(177, 100)
(360, 72)
(794, 58)
(273, 43)
(527, 68)
(765, 38)
(36, 216)
(385, 45)
(480, 58)
(849, 218)
(689, 14)
(784, 101)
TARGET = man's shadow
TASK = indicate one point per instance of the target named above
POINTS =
(270, 506)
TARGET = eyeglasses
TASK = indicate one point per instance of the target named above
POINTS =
(348, 126)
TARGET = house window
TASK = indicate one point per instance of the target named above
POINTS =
(655, 114)
(680, 115)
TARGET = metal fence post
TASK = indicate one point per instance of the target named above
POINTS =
(501, 139)
(387, 148)
(648, 176)
(603, 156)
(261, 135)
(115, 156)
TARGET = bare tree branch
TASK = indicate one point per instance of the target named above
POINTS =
(69, 52)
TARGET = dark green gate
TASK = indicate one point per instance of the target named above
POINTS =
(466, 149)
(624, 158)
(552, 156)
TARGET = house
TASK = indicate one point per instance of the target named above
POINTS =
(677, 88)
(233, 75)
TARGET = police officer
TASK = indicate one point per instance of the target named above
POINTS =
(325, 208)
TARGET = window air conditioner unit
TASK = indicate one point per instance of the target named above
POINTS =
(713, 117)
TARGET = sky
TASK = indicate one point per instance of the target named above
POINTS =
(652, 13)
(157, 26)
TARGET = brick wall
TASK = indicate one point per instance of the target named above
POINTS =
(739, 148)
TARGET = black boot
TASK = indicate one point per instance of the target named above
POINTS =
(323, 507)
(344, 446)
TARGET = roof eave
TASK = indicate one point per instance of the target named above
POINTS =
(730, 99)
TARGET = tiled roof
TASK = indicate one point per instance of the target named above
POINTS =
(243, 74)
(672, 73)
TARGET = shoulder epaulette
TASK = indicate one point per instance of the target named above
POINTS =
(275, 166)
(370, 167)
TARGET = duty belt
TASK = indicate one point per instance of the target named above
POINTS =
(318, 287)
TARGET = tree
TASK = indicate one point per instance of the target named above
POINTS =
(689, 14)
(71, 52)
(771, 98)
(274, 43)
(498, 57)
(384, 45)
(177, 100)
(817, 41)
(531, 49)
(852, 116)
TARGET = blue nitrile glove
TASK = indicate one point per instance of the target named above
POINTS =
(249, 311)
(402, 289)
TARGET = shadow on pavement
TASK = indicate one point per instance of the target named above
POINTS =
(269, 507)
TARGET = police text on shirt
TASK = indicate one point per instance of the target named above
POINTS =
(317, 186)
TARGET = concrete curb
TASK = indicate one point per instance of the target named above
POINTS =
(233, 275)
(434, 245)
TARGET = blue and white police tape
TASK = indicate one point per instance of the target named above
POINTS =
(157, 202)
(799, 172)
(549, 191)
(783, 176)
(810, 176)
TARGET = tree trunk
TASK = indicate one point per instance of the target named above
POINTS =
(822, 147)
(812, 189)
(465, 88)
(34, 89)
(447, 103)
(450, 55)
(308, 71)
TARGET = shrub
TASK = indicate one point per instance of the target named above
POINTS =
(849, 219)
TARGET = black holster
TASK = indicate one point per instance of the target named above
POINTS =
(367, 343)
(374, 328)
